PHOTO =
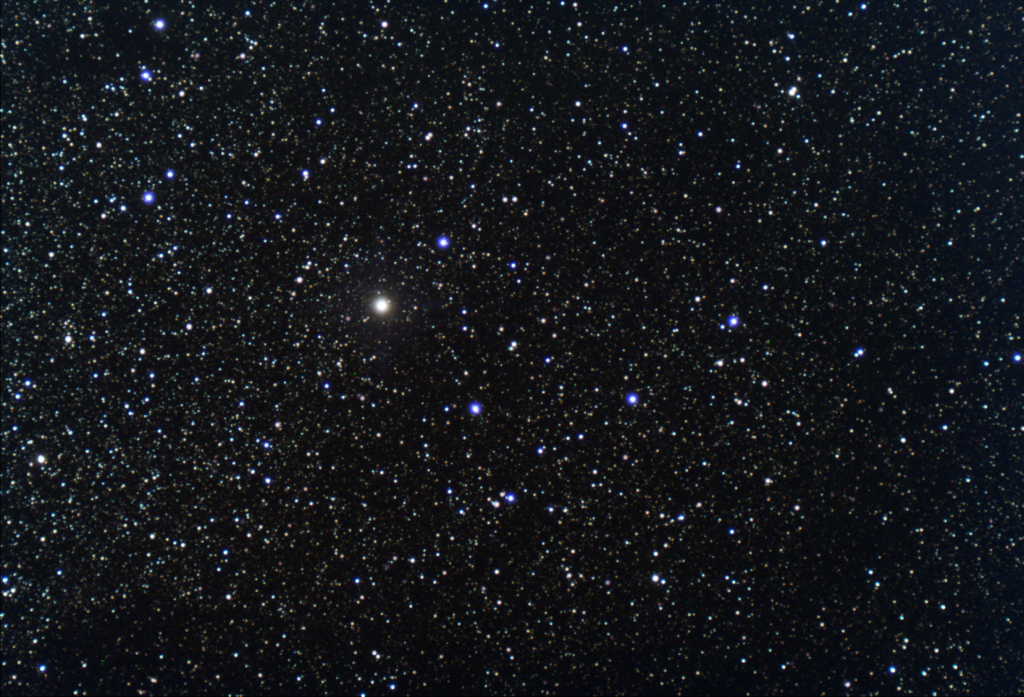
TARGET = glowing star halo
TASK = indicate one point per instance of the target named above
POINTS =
(381, 305)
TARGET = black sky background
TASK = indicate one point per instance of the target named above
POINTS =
(223, 471)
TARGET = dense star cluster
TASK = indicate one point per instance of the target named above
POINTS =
(555, 348)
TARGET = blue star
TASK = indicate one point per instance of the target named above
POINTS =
(632, 398)
(146, 76)
(1016, 358)
(148, 198)
(159, 25)
(170, 174)
(733, 321)
(475, 408)
(858, 353)
(443, 242)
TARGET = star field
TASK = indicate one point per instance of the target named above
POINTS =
(490, 348)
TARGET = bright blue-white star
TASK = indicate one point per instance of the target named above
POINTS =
(145, 76)
(510, 497)
(170, 174)
(159, 25)
(632, 398)
(733, 321)
(148, 198)
(475, 408)
(443, 242)
(858, 353)
(1016, 358)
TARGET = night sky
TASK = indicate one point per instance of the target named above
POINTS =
(559, 348)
